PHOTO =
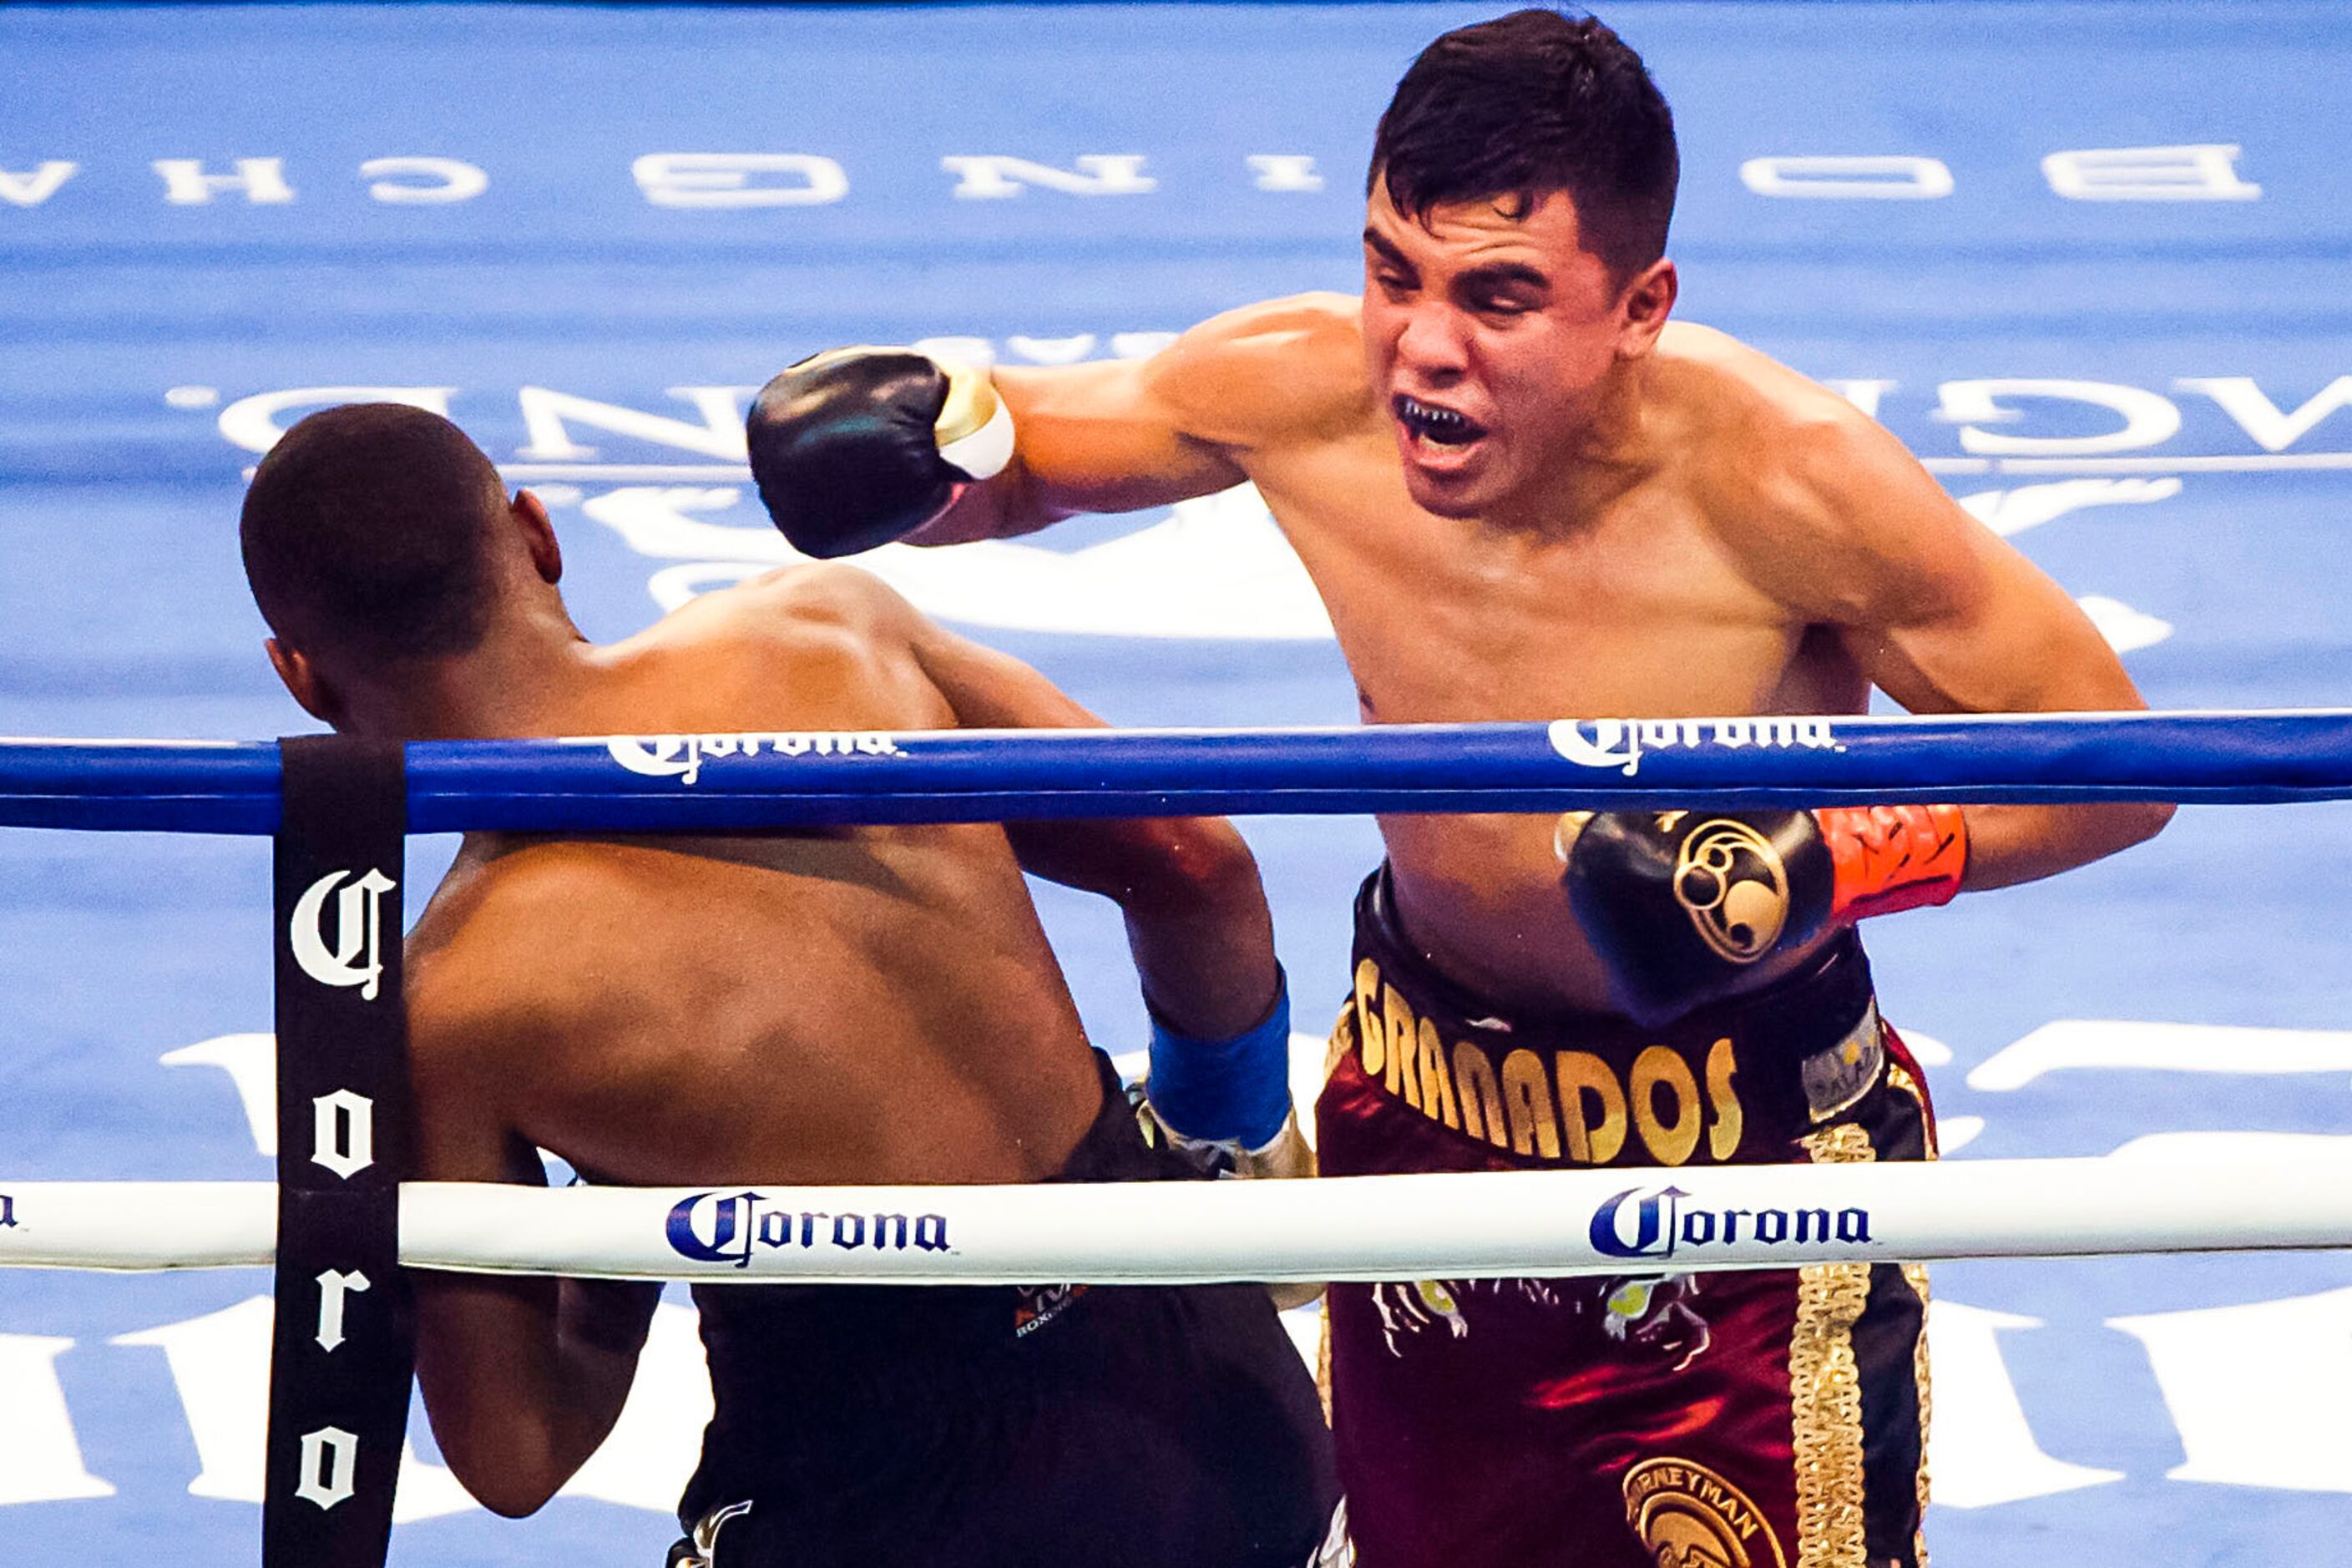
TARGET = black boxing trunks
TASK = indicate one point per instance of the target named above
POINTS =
(864, 1424)
(1764, 1419)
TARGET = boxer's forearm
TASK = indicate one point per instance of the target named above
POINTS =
(2013, 844)
(1203, 941)
(524, 1378)
(1094, 437)
(1006, 506)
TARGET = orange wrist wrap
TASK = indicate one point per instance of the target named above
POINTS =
(1890, 858)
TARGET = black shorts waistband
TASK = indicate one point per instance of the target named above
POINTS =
(1743, 1074)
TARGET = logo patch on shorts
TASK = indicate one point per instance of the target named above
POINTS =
(1689, 1516)
(1035, 1306)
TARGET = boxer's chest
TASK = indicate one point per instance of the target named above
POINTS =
(1632, 610)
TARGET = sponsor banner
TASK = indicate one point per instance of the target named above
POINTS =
(681, 757)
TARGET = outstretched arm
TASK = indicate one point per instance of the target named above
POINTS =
(860, 447)
(1103, 438)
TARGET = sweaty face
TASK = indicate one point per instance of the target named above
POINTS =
(1489, 340)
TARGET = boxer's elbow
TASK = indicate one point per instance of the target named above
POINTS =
(2132, 823)
(2143, 820)
(2110, 828)
(2114, 826)
(513, 1478)
(511, 1455)
(509, 1500)
(1204, 864)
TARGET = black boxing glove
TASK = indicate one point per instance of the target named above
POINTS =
(1679, 904)
(857, 447)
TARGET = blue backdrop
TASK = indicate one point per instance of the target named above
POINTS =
(2090, 260)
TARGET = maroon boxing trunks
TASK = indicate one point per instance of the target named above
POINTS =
(1756, 1419)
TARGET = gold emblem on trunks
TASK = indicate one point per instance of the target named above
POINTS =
(1730, 880)
(1689, 1516)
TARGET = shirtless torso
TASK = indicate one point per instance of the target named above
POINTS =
(1634, 600)
(843, 1006)
(1523, 495)
(1739, 540)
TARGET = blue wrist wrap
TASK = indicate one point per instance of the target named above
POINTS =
(1221, 1091)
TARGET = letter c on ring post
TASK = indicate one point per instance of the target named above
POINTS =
(341, 1358)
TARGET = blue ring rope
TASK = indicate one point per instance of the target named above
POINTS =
(777, 780)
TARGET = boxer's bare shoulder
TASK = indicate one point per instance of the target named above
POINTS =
(1711, 371)
(1820, 504)
(818, 646)
(814, 598)
(1270, 374)
(1122, 435)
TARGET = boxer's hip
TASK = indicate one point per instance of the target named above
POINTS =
(1063, 1423)
(1426, 1075)
(1653, 1416)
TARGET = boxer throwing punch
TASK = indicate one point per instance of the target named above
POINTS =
(1524, 493)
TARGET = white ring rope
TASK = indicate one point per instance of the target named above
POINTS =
(1466, 1225)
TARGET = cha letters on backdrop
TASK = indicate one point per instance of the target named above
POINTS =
(342, 1354)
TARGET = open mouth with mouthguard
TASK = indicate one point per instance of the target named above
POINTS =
(1436, 425)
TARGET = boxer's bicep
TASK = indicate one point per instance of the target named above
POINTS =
(1122, 435)
(1136, 861)
(1946, 616)
(1113, 436)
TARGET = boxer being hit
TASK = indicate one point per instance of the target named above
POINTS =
(1523, 494)
(827, 1006)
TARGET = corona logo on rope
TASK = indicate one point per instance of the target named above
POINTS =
(681, 757)
(1621, 744)
(355, 958)
(711, 1228)
(1661, 1223)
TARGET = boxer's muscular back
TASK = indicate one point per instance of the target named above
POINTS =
(870, 1005)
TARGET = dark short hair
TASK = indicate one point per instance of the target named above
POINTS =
(1515, 108)
(368, 528)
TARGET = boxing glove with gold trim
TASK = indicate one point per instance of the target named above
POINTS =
(857, 447)
(1680, 904)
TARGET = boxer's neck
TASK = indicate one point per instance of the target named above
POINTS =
(1612, 448)
(527, 668)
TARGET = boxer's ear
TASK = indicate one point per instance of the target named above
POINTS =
(1647, 302)
(539, 536)
(304, 683)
